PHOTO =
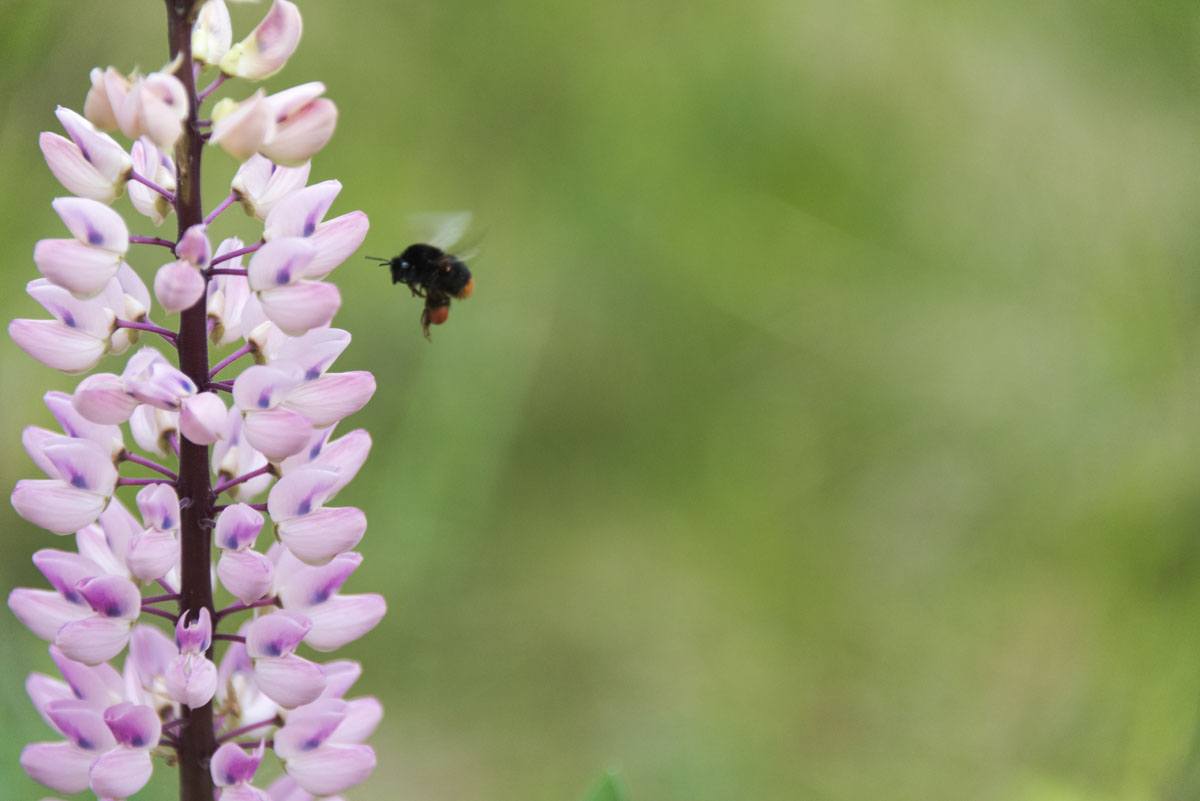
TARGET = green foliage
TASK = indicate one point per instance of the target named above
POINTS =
(608, 789)
(824, 424)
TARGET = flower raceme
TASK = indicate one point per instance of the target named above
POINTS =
(274, 460)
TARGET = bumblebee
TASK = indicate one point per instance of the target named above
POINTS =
(432, 273)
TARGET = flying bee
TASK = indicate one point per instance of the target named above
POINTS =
(431, 272)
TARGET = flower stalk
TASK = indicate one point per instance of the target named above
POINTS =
(274, 440)
(197, 742)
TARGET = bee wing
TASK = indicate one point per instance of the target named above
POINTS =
(443, 231)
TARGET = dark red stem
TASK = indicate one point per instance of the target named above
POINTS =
(152, 240)
(239, 731)
(141, 179)
(230, 359)
(165, 333)
(241, 607)
(163, 613)
(153, 465)
(197, 740)
(233, 254)
(233, 482)
(140, 482)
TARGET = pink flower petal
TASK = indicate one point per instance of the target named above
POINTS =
(133, 286)
(277, 433)
(92, 542)
(289, 681)
(91, 316)
(303, 133)
(232, 765)
(281, 261)
(99, 685)
(97, 107)
(56, 506)
(299, 214)
(268, 47)
(57, 346)
(93, 640)
(112, 597)
(313, 353)
(121, 772)
(260, 387)
(202, 418)
(64, 570)
(299, 308)
(178, 286)
(362, 718)
(74, 424)
(164, 107)
(100, 150)
(134, 725)
(291, 100)
(151, 653)
(153, 554)
(343, 619)
(191, 680)
(159, 505)
(60, 766)
(102, 398)
(150, 427)
(94, 224)
(44, 611)
(245, 128)
(318, 537)
(332, 397)
(276, 634)
(84, 465)
(82, 725)
(344, 455)
(212, 34)
(81, 269)
(248, 792)
(35, 440)
(43, 690)
(285, 789)
(150, 163)
(246, 574)
(332, 768)
(340, 676)
(336, 241)
(309, 726)
(194, 247)
(261, 185)
(237, 527)
(74, 171)
(300, 492)
(302, 586)
(117, 527)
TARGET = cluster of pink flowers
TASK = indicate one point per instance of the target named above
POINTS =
(270, 430)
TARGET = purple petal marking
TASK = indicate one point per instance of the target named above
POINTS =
(133, 725)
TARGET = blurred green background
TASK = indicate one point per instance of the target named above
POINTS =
(824, 424)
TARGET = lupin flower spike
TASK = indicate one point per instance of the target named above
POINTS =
(205, 471)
